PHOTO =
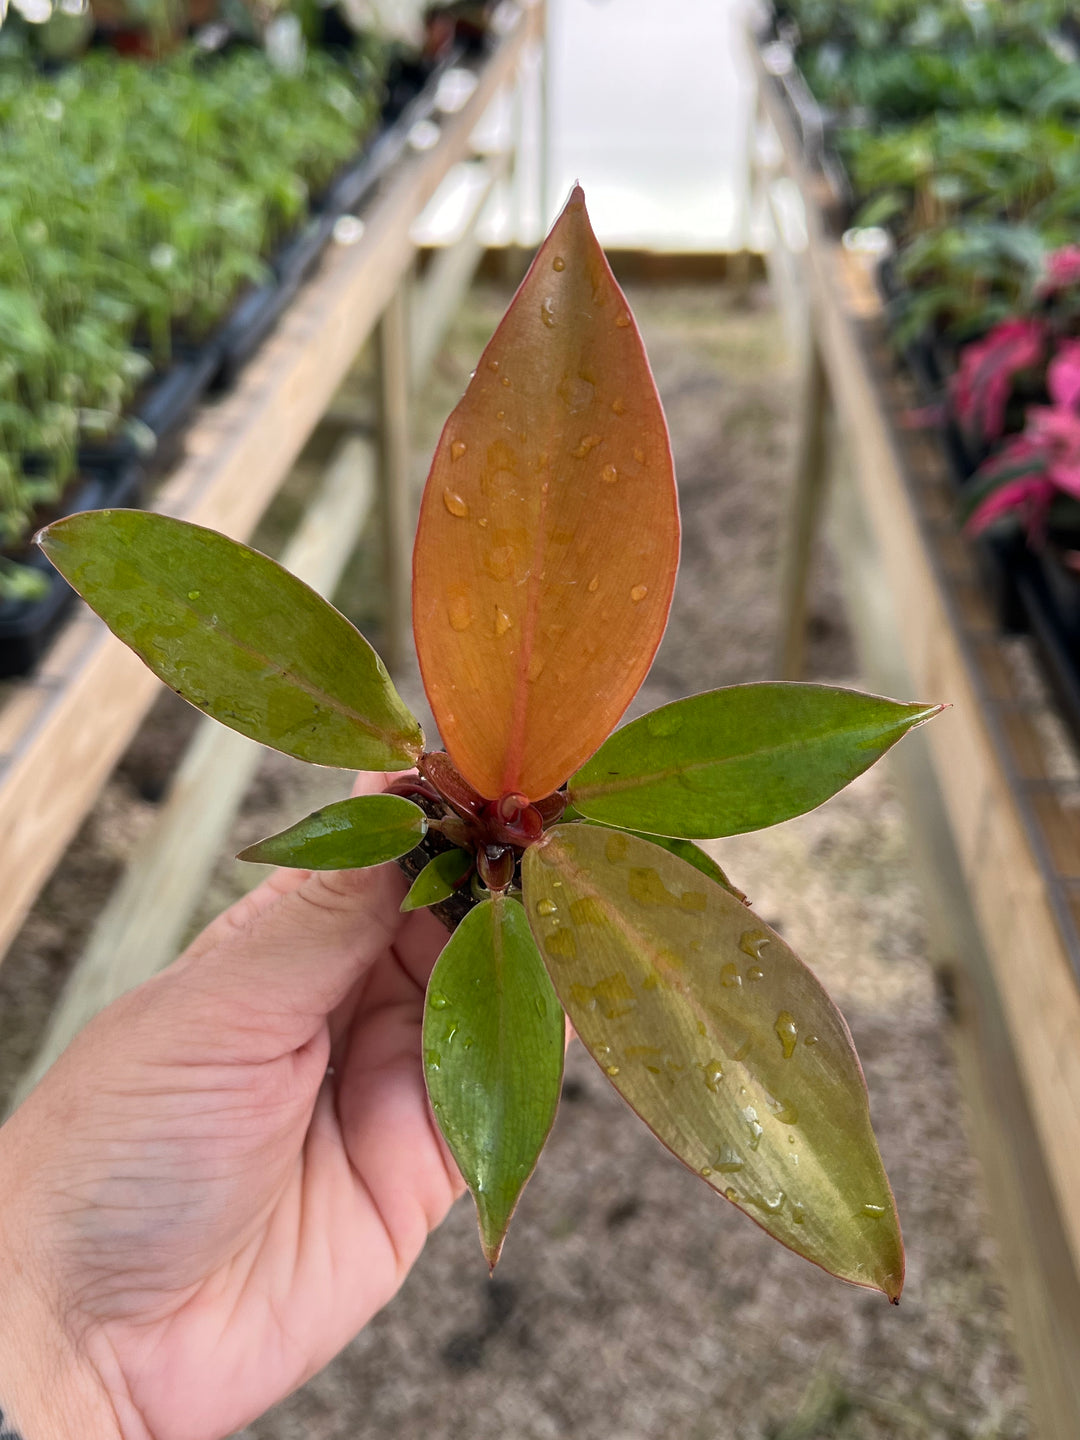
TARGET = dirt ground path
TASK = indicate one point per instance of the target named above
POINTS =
(631, 1303)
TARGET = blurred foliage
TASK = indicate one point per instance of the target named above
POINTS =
(137, 202)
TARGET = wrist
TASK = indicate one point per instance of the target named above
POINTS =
(49, 1389)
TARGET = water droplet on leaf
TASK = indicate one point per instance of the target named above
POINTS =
(455, 504)
(437, 1000)
(610, 474)
(638, 593)
(787, 1032)
(457, 449)
(558, 263)
(546, 907)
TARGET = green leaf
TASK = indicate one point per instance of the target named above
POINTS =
(348, 835)
(718, 1036)
(438, 879)
(738, 759)
(238, 636)
(493, 1057)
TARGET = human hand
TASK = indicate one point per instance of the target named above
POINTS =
(227, 1173)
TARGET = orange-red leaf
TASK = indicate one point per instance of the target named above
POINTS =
(549, 531)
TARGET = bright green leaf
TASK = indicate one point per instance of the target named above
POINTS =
(438, 879)
(238, 636)
(493, 1057)
(718, 1036)
(738, 759)
(348, 835)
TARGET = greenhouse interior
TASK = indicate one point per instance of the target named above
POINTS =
(483, 483)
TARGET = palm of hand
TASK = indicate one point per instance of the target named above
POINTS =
(228, 1213)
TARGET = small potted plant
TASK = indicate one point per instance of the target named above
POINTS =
(564, 857)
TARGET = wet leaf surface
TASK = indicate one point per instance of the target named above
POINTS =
(493, 1057)
(238, 636)
(721, 1039)
(738, 759)
(348, 835)
(548, 537)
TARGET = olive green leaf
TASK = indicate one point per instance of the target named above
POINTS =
(493, 1057)
(238, 636)
(738, 759)
(718, 1036)
(437, 880)
(348, 835)
(685, 849)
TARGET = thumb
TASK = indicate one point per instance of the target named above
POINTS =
(261, 980)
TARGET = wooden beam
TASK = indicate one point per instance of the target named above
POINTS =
(141, 927)
(62, 732)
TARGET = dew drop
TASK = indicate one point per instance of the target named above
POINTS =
(586, 443)
(546, 907)
(810, 1040)
(558, 263)
(458, 610)
(730, 977)
(493, 366)
(731, 1193)
(502, 622)
(705, 1172)
(432, 1059)
(798, 1215)
(588, 911)
(787, 1032)
(457, 449)
(873, 1212)
(500, 414)
(594, 584)
(506, 381)
(752, 942)
(619, 406)
(611, 1070)
(755, 973)
(616, 847)
(455, 504)
(562, 943)
(638, 593)
(609, 474)
(482, 522)
(437, 1000)
(784, 1111)
(622, 320)
(547, 312)
(193, 594)
(714, 1073)
(730, 1162)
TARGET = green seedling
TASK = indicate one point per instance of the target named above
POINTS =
(563, 855)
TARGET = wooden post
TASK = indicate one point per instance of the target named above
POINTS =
(805, 510)
(396, 518)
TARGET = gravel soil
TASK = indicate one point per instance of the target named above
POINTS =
(631, 1303)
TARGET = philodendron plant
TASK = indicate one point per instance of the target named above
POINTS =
(562, 855)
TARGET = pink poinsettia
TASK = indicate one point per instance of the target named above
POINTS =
(983, 383)
(1028, 471)
(1062, 268)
